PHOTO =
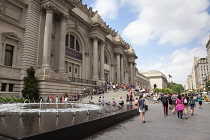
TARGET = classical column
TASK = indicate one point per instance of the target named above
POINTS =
(87, 65)
(131, 69)
(62, 44)
(88, 61)
(122, 70)
(111, 73)
(47, 37)
(118, 67)
(95, 58)
(102, 62)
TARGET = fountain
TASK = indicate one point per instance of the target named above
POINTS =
(36, 118)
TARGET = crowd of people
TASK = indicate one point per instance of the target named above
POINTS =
(179, 103)
(62, 99)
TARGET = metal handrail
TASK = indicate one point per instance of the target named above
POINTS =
(84, 81)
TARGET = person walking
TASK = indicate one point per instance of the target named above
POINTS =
(131, 98)
(170, 101)
(179, 106)
(127, 99)
(103, 101)
(200, 101)
(141, 105)
(174, 104)
(164, 100)
(192, 105)
(186, 104)
(121, 102)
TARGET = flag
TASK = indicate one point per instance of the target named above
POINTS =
(169, 76)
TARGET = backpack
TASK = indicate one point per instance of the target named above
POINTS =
(192, 102)
(165, 100)
(185, 101)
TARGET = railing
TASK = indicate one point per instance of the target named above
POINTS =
(84, 81)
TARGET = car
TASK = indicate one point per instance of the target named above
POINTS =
(195, 98)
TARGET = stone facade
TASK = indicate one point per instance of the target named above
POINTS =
(189, 82)
(156, 79)
(208, 57)
(68, 44)
(199, 74)
(201, 70)
(142, 80)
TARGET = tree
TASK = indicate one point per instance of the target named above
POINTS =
(30, 89)
(178, 88)
(164, 90)
(208, 86)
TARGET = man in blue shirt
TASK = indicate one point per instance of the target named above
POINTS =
(200, 101)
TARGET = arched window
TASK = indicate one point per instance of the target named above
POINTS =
(72, 42)
(105, 59)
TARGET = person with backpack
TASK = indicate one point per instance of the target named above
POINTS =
(141, 106)
(179, 106)
(170, 101)
(192, 105)
(174, 103)
(186, 104)
(164, 100)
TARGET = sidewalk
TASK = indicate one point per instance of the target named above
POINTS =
(159, 127)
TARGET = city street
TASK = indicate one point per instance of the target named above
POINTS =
(159, 127)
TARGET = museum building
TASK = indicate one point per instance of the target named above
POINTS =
(68, 44)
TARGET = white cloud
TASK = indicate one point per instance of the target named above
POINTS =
(179, 66)
(107, 8)
(177, 22)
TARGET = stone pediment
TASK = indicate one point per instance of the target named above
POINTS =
(10, 35)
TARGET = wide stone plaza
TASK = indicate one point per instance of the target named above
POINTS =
(158, 126)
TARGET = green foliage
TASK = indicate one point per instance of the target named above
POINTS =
(30, 89)
(164, 90)
(12, 99)
(178, 88)
(208, 85)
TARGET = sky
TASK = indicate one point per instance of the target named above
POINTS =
(166, 35)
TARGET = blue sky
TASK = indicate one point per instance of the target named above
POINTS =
(166, 35)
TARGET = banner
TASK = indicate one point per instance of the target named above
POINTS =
(72, 53)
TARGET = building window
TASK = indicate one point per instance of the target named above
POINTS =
(72, 42)
(75, 70)
(105, 59)
(77, 46)
(8, 55)
(67, 40)
(3, 86)
(69, 69)
(11, 86)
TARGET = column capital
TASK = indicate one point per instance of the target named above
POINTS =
(94, 37)
(87, 53)
(64, 17)
(117, 53)
(102, 43)
(49, 8)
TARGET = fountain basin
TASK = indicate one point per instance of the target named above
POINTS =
(50, 126)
